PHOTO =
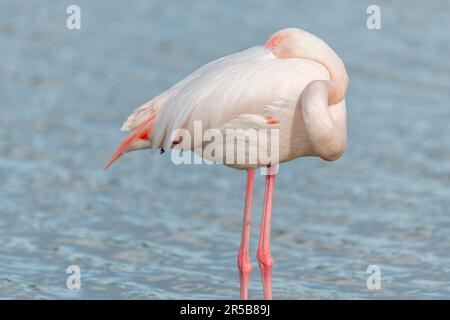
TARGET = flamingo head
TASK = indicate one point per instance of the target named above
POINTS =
(297, 43)
(294, 43)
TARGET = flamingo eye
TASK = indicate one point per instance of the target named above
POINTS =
(274, 42)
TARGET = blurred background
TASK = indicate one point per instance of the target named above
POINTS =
(150, 229)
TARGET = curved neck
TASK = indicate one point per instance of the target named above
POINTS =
(313, 48)
(338, 74)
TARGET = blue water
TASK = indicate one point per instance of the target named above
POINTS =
(148, 229)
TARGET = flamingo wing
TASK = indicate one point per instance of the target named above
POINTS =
(141, 121)
(251, 82)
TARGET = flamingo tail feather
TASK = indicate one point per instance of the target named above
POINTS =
(143, 131)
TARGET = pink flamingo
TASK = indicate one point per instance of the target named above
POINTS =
(295, 83)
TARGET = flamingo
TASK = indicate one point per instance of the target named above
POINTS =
(294, 83)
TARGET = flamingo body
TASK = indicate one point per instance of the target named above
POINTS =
(294, 83)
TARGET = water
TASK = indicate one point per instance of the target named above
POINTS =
(149, 229)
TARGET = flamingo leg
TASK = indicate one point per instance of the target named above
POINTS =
(244, 265)
(264, 256)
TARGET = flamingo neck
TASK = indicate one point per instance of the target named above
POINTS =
(338, 75)
(319, 52)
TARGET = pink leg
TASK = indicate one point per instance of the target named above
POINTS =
(264, 257)
(244, 265)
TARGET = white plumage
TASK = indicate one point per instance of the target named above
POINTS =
(241, 90)
(293, 86)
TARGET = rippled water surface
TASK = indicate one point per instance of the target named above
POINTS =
(149, 229)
